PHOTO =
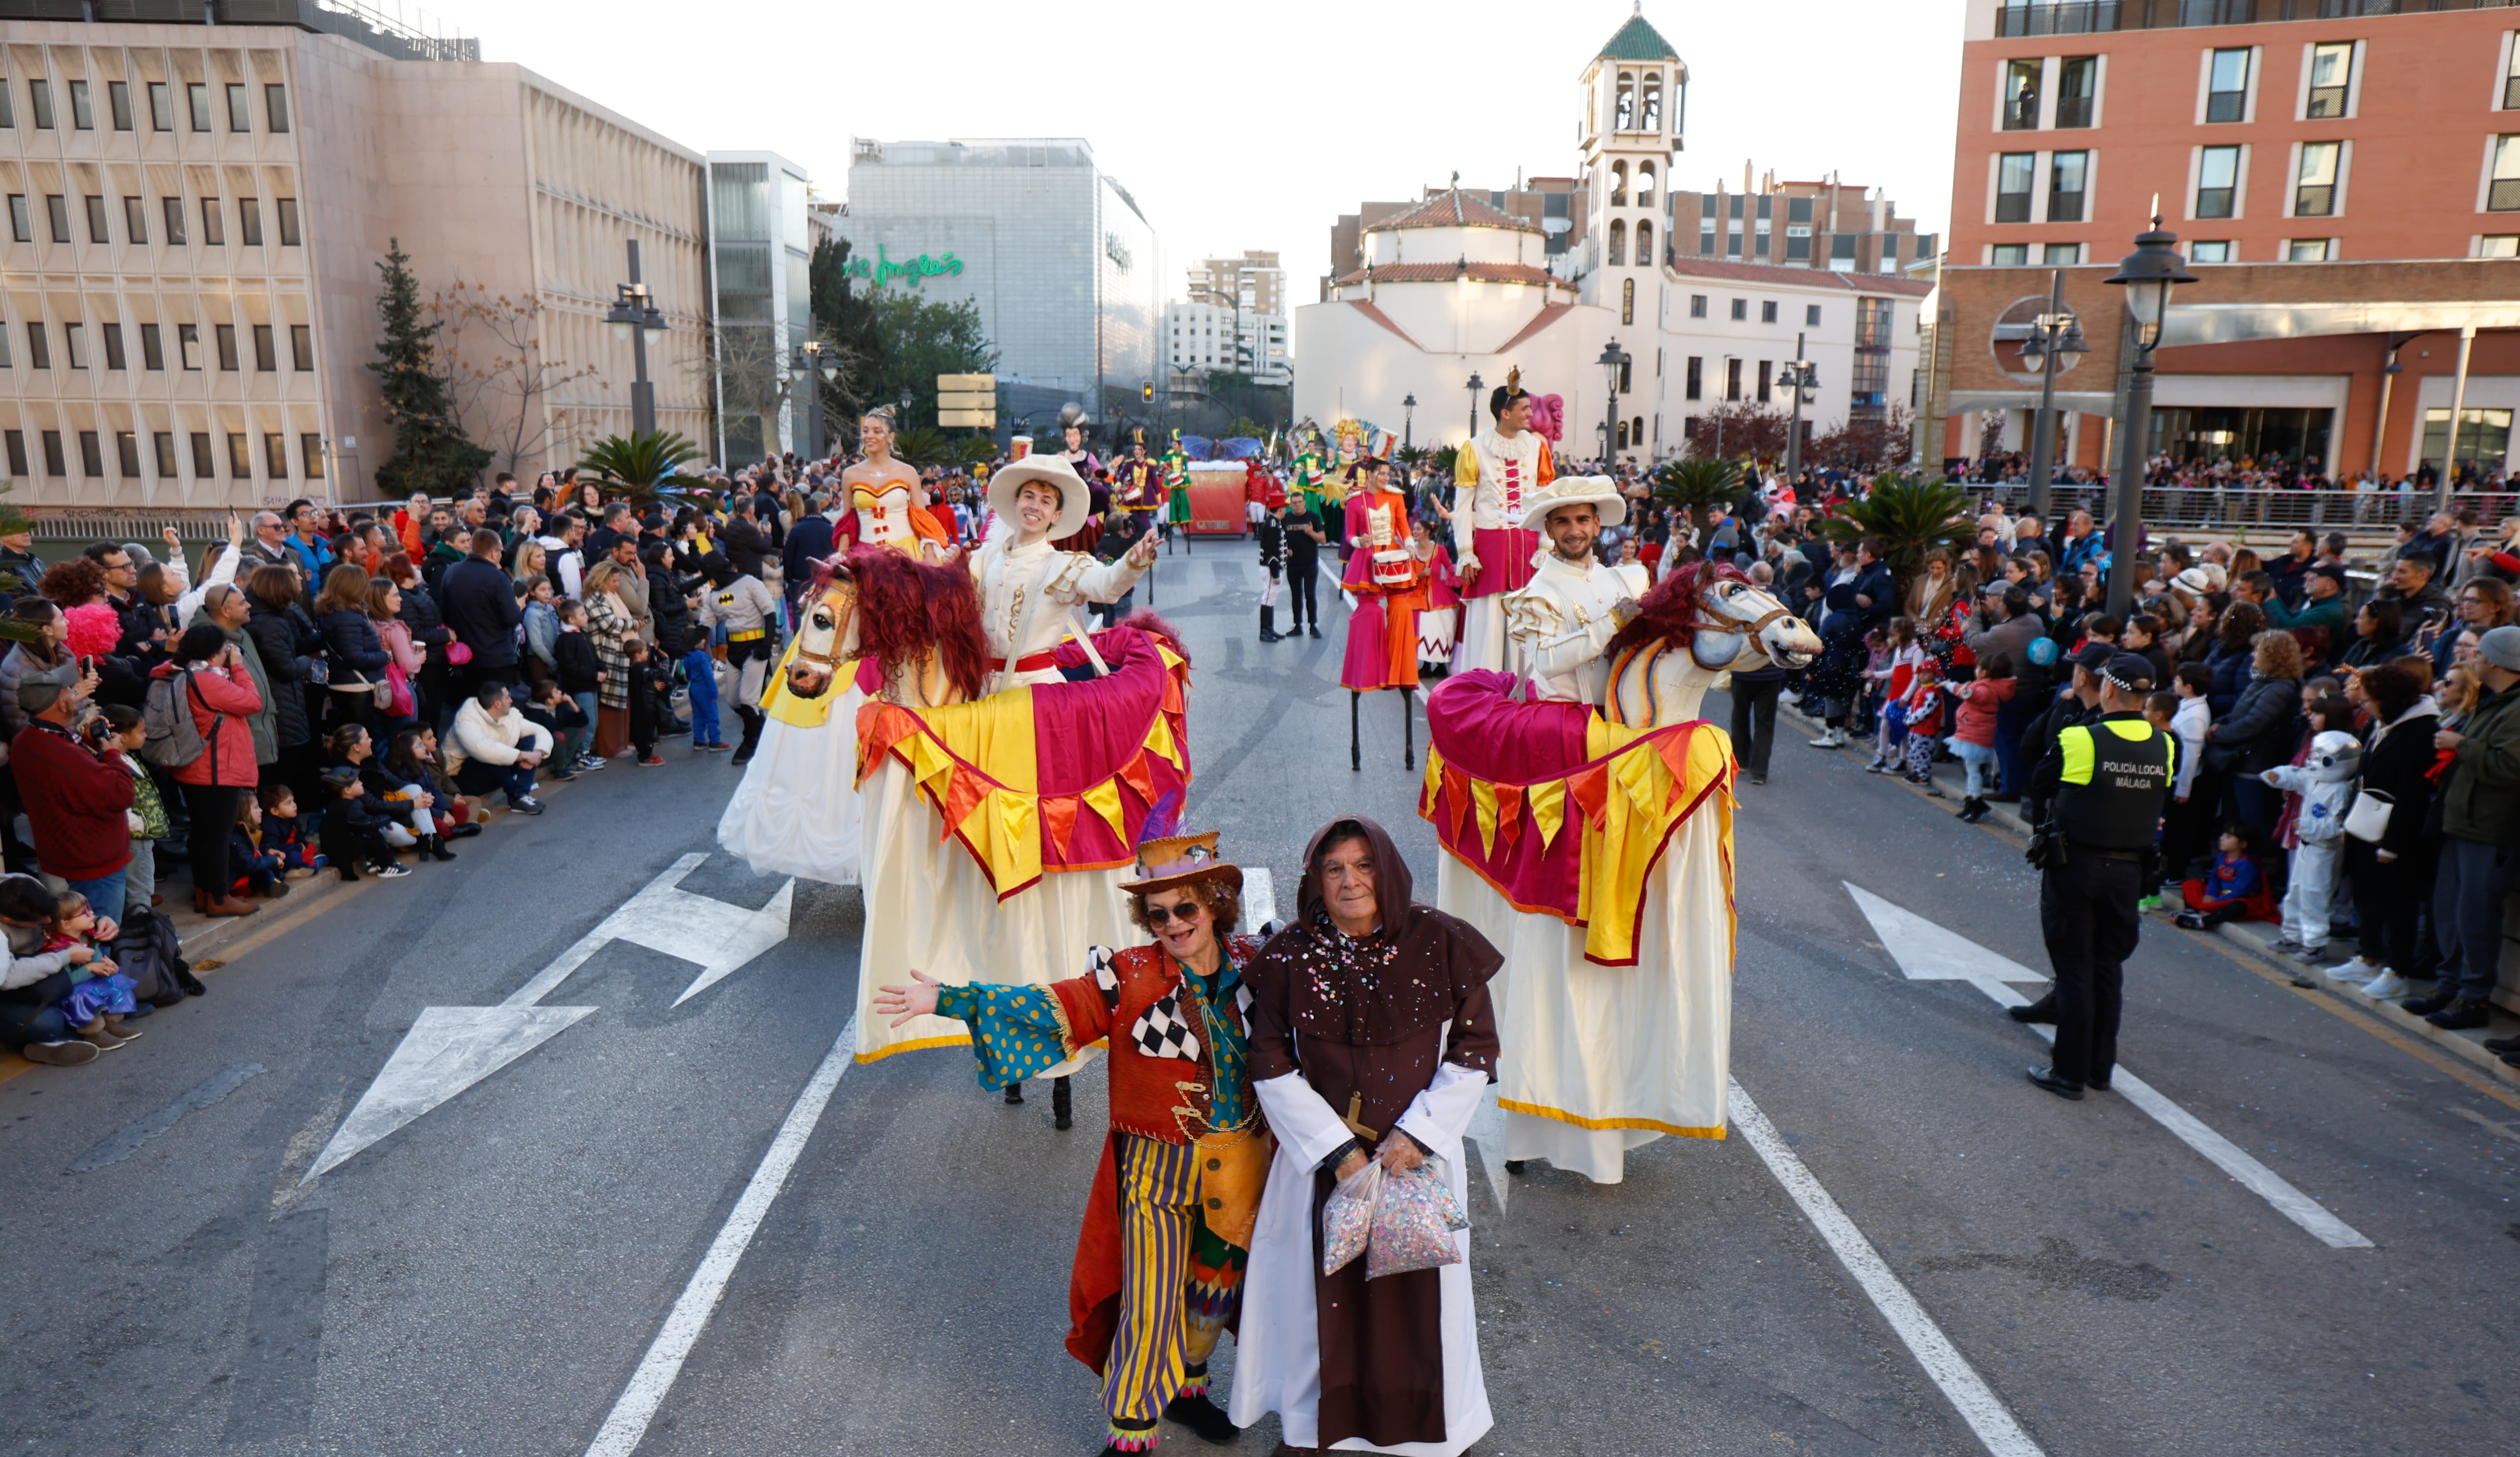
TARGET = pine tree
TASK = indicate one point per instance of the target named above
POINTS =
(431, 451)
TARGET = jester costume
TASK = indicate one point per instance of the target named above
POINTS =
(1159, 1263)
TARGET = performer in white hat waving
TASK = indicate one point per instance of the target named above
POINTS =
(1028, 588)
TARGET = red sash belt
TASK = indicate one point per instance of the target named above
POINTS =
(1032, 664)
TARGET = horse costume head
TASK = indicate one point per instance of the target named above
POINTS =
(1726, 621)
(912, 617)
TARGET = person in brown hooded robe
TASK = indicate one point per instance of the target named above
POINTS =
(1371, 1036)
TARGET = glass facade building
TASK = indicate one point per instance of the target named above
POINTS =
(760, 251)
(1064, 268)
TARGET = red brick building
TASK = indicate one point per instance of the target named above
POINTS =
(2344, 176)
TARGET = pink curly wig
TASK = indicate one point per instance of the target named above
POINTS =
(94, 630)
(1548, 417)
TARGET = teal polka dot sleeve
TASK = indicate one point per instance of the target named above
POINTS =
(1016, 1031)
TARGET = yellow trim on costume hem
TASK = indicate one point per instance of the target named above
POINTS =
(1604, 1124)
(916, 1044)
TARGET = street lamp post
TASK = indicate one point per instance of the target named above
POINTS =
(2052, 334)
(906, 400)
(1474, 387)
(634, 318)
(1801, 382)
(816, 372)
(1614, 362)
(1408, 412)
(2147, 275)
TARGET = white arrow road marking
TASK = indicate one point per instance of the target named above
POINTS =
(1926, 951)
(448, 1050)
(626, 1425)
(1978, 1407)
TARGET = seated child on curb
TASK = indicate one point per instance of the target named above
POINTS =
(2234, 888)
(254, 869)
(561, 717)
(354, 833)
(284, 833)
(101, 995)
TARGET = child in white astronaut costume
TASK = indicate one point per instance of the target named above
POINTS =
(2325, 784)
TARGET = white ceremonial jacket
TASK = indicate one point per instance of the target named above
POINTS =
(1491, 477)
(1560, 624)
(1027, 593)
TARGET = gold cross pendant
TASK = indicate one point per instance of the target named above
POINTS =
(1356, 1107)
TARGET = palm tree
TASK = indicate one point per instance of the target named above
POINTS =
(1695, 481)
(1907, 516)
(640, 462)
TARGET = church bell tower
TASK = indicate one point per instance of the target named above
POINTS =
(1634, 104)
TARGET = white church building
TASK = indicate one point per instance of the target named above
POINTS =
(1455, 286)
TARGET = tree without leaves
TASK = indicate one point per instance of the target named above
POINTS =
(496, 367)
(430, 450)
(1740, 430)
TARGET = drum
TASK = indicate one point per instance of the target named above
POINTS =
(1394, 568)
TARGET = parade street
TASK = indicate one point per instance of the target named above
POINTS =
(603, 1203)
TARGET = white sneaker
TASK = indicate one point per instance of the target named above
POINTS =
(1828, 741)
(2344, 971)
(2386, 983)
(2364, 967)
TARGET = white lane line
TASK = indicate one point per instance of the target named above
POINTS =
(2219, 1150)
(1926, 951)
(2226, 1156)
(1981, 1408)
(626, 1426)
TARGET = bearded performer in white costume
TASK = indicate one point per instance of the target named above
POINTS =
(1560, 620)
(796, 810)
(1493, 476)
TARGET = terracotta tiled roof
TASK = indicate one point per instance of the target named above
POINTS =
(1454, 209)
(1439, 273)
(1688, 266)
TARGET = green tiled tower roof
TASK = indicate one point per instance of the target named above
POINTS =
(1638, 40)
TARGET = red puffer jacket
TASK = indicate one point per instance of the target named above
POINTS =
(220, 705)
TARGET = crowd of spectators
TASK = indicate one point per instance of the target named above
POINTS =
(343, 692)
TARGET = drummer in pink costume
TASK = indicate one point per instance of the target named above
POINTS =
(1389, 583)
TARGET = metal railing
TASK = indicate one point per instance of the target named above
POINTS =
(2196, 507)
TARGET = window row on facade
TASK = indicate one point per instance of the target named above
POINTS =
(172, 216)
(107, 455)
(2197, 250)
(151, 346)
(202, 105)
(1769, 310)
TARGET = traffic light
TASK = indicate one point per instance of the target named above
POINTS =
(1146, 392)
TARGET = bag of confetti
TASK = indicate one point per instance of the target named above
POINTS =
(1414, 1223)
(1347, 1216)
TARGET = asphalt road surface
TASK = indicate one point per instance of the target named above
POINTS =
(1931, 1257)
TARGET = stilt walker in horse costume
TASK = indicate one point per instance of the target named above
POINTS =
(795, 811)
(1588, 835)
(1167, 1235)
(1493, 475)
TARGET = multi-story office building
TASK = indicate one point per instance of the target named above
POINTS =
(760, 248)
(1063, 264)
(1824, 224)
(197, 212)
(2344, 179)
(1235, 319)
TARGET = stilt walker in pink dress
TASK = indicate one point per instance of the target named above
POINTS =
(1389, 583)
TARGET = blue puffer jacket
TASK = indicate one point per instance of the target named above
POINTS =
(350, 640)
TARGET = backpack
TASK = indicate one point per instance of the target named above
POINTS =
(175, 739)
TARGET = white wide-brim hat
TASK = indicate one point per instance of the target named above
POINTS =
(1596, 491)
(1074, 500)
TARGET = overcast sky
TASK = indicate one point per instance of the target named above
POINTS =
(1254, 126)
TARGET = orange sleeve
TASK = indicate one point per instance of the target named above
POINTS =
(924, 523)
(1547, 463)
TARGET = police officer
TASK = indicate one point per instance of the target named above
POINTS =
(2078, 703)
(2106, 780)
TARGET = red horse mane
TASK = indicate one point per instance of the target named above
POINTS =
(1670, 611)
(907, 607)
(1148, 621)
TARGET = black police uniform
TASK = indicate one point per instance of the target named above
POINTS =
(2107, 780)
